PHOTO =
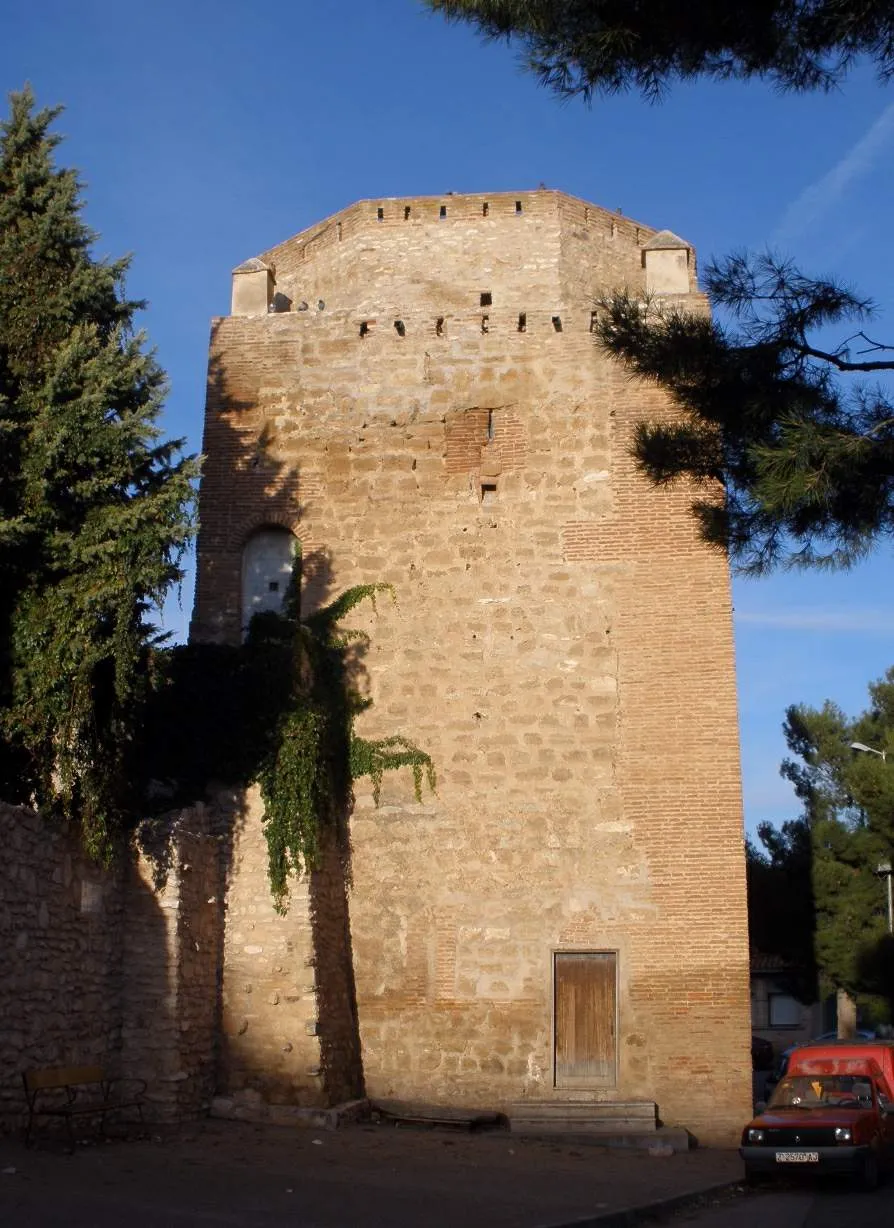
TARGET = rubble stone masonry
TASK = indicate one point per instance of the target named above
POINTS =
(108, 967)
(424, 404)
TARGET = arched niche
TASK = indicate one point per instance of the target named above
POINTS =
(267, 559)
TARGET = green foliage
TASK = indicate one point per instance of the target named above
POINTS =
(607, 46)
(95, 511)
(306, 776)
(278, 710)
(848, 817)
(789, 466)
(781, 909)
(95, 506)
(375, 758)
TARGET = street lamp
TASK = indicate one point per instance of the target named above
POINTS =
(883, 869)
(869, 750)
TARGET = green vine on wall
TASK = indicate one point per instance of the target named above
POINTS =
(278, 711)
(306, 777)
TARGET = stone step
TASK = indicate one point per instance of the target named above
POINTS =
(583, 1117)
(417, 1113)
(665, 1141)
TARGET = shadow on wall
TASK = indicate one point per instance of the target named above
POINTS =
(101, 969)
(125, 968)
(214, 721)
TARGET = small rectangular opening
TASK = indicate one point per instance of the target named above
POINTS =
(485, 324)
(338, 231)
(485, 209)
(400, 328)
(594, 321)
(273, 586)
(486, 298)
(442, 212)
(380, 214)
(488, 492)
(364, 328)
(522, 322)
(518, 206)
(490, 425)
(406, 213)
(557, 323)
(439, 326)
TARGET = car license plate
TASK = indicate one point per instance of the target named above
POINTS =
(797, 1157)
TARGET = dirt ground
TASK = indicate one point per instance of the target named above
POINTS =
(238, 1175)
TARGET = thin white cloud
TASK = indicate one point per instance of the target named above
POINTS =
(866, 621)
(803, 214)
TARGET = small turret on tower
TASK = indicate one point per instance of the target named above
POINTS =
(253, 286)
(666, 260)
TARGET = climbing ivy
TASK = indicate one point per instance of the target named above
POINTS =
(278, 711)
(306, 776)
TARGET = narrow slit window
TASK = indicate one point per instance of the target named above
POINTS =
(522, 322)
(439, 326)
(380, 214)
(594, 321)
(485, 324)
(364, 328)
(490, 425)
(518, 206)
(486, 298)
(557, 323)
(407, 213)
(338, 231)
(400, 328)
(485, 209)
(442, 212)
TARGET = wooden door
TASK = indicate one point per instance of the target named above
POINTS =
(585, 1004)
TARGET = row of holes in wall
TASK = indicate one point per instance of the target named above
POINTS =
(442, 211)
(367, 327)
(485, 211)
(442, 215)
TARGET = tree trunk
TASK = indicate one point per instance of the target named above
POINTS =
(847, 1015)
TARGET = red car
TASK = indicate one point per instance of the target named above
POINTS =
(833, 1112)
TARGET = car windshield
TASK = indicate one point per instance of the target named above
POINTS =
(822, 1092)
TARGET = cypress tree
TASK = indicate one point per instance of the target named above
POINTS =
(96, 506)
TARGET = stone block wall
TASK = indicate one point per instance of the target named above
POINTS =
(171, 951)
(60, 967)
(289, 1024)
(105, 967)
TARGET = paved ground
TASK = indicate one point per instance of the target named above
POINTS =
(832, 1206)
(235, 1175)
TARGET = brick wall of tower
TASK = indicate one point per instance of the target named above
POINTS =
(561, 645)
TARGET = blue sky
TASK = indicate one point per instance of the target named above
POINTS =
(206, 132)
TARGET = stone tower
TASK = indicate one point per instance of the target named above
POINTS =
(412, 390)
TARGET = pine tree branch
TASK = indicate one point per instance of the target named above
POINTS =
(843, 364)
